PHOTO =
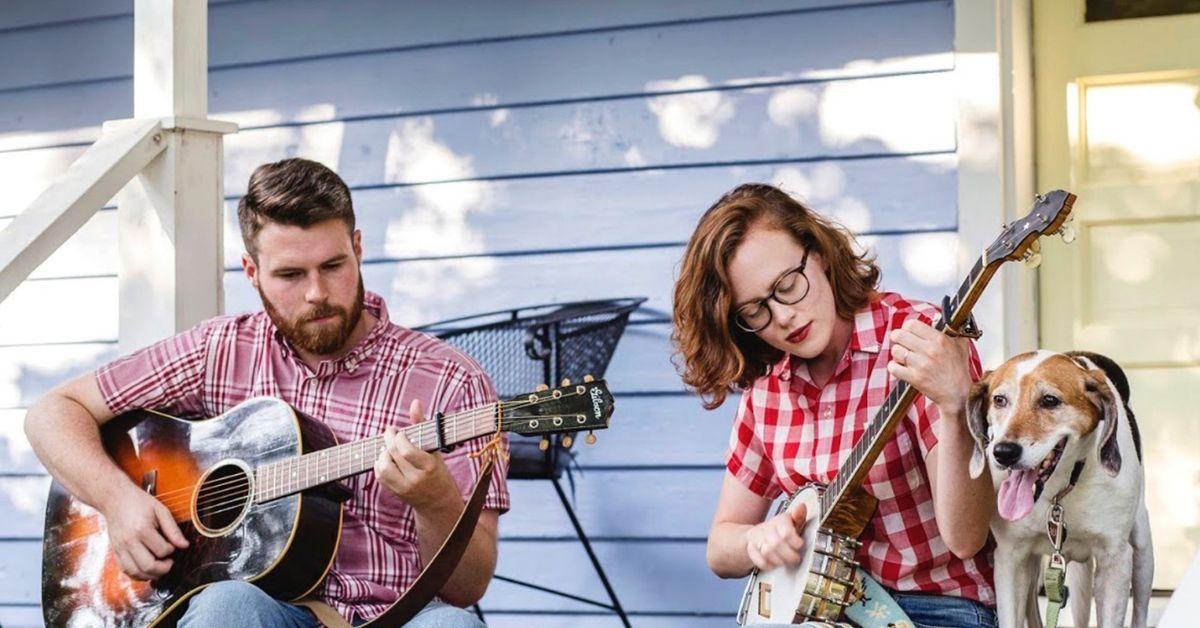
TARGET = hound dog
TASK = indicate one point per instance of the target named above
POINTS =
(1043, 420)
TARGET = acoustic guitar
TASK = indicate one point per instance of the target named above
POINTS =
(256, 493)
(826, 582)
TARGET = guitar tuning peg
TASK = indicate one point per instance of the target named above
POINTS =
(591, 438)
(1067, 232)
(544, 444)
(1035, 246)
(542, 388)
(566, 381)
(567, 441)
(587, 379)
(1032, 260)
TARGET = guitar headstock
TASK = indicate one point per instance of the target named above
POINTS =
(584, 406)
(1019, 240)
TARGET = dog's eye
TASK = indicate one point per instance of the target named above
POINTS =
(999, 401)
(1050, 401)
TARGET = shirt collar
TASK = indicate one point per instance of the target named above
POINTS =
(372, 303)
(870, 325)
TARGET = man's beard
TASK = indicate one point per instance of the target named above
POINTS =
(319, 340)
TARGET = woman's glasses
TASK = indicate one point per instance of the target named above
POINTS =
(789, 289)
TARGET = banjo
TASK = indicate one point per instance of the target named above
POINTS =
(826, 582)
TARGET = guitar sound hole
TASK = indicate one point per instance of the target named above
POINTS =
(222, 498)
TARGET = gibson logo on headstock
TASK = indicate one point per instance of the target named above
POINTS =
(596, 395)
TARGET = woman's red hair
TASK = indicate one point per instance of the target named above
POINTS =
(716, 354)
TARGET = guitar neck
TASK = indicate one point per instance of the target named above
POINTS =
(880, 428)
(299, 473)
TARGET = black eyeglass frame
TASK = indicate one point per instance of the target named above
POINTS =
(741, 321)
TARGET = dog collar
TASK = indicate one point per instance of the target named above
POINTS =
(1075, 473)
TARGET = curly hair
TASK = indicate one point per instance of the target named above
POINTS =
(716, 354)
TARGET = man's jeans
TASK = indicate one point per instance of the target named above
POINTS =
(236, 604)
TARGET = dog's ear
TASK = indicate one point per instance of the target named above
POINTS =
(1100, 394)
(977, 408)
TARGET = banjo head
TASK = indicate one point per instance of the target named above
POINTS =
(819, 589)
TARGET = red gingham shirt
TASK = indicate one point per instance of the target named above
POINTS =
(789, 433)
(212, 367)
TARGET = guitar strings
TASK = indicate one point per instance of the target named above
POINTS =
(419, 432)
(182, 496)
(423, 429)
(233, 502)
(234, 490)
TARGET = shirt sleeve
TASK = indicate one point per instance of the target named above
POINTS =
(746, 458)
(167, 375)
(923, 415)
(474, 391)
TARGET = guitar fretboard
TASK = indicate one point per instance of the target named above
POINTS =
(298, 473)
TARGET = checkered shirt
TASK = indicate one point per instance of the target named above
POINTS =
(212, 367)
(789, 433)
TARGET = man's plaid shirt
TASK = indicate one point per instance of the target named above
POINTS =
(216, 365)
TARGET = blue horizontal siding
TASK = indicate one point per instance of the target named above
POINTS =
(759, 50)
(898, 194)
(416, 290)
(538, 110)
(371, 27)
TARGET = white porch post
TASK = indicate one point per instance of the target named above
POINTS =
(994, 83)
(170, 216)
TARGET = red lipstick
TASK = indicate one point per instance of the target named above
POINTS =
(800, 334)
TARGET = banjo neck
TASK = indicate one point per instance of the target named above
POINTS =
(1017, 240)
(955, 316)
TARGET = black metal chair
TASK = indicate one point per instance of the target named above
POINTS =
(524, 347)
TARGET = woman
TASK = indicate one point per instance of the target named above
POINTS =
(773, 298)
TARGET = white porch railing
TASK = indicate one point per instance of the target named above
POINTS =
(164, 167)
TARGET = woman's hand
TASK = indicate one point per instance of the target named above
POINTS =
(936, 364)
(777, 542)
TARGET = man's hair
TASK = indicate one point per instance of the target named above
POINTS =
(296, 192)
(716, 353)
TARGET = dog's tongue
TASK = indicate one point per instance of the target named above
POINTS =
(1016, 494)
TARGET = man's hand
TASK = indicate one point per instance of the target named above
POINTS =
(777, 541)
(143, 534)
(935, 364)
(415, 476)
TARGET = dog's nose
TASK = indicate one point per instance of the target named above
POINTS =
(1006, 453)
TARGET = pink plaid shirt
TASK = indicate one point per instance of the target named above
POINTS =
(789, 433)
(212, 367)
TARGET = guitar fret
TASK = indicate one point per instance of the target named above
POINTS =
(298, 473)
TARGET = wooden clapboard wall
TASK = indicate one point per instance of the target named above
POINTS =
(506, 154)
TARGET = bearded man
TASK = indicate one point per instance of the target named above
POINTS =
(325, 346)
